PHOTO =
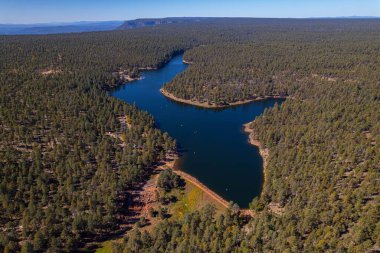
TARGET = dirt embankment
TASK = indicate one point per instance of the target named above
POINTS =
(207, 104)
(201, 186)
(264, 152)
(211, 193)
(187, 62)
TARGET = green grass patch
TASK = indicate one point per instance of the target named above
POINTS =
(190, 199)
(105, 247)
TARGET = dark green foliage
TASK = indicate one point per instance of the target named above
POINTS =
(162, 213)
(324, 167)
(168, 180)
(152, 213)
(257, 204)
(278, 64)
(197, 232)
(64, 176)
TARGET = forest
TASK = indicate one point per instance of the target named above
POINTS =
(275, 65)
(69, 152)
(64, 175)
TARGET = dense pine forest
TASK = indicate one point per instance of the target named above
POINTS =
(64, 174)
(69, 152)
(272, 64)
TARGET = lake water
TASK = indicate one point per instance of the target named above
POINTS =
(216, 150)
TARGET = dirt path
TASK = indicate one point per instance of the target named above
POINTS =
(204, 188)
(211, 193)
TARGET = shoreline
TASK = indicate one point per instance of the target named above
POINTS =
(148, 68)
(187, 62)
(264, 152)
(215, 106)
(193, 180)
(203, 187)
(124, 80)
(171, 164)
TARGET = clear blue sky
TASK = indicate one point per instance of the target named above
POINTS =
(36, 11)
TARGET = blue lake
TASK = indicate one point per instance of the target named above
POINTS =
(216, 150)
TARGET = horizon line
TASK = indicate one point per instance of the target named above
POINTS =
(94, 21)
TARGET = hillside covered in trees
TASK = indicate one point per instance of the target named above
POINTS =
(69, 152)
(271, 64)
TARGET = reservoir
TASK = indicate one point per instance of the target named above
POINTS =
(215, 150)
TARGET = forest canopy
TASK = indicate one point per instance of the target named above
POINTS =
(69, 152)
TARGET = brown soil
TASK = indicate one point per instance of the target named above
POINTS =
(211, 193)
(204, 188)
(50, 72)
(144, 196)
(213, 105)
(187, 62)
(148, 68)
(276, 208)
(264, 152)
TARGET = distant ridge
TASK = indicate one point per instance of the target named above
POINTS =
(50, 28)
(92, 26)
(149, 22)
(143, 22)
(348, 17)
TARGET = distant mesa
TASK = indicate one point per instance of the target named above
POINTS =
(138, 23)
(89, 26)
(92, 26)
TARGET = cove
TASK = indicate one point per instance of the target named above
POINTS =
(214, 148)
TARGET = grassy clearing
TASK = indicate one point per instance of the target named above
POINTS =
(191, 199)
(105, 247)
